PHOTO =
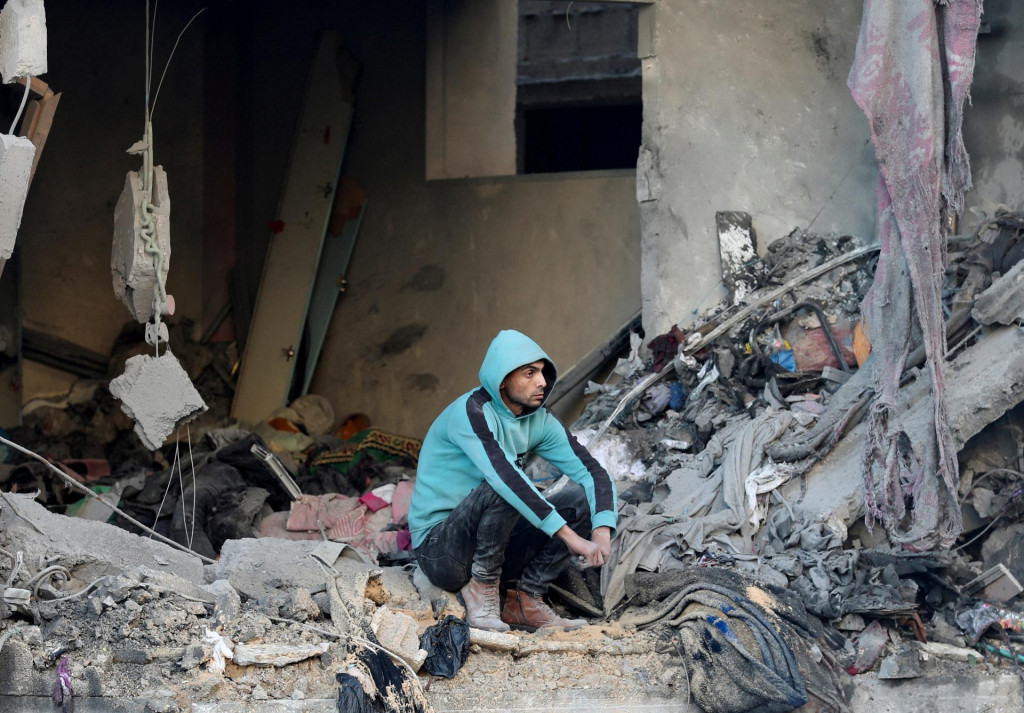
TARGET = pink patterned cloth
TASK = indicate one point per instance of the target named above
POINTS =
(897, 79)
(345, 519)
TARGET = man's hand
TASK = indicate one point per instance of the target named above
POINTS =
(590, 552)
(602, 537)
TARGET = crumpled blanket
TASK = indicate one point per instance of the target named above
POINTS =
(897, 80)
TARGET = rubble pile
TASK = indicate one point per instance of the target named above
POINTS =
(746, 571)
(743, 450)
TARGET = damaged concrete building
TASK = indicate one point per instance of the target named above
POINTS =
(774, 249)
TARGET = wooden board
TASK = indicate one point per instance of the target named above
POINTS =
(35, 126)
(294, 253)
(330, 279)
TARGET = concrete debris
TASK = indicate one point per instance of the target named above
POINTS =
(397, 632)
(906, 663)
(133, 269)
(16, 157)
(275, 654)
(157, 393)
(730, 466)
(227, 604)
(22, 40)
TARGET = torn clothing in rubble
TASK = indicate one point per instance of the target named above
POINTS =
(708, 502)
(897, 80)
(478, 439)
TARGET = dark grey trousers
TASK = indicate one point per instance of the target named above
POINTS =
(487, 538)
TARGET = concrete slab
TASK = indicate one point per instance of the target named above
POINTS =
(157, 393)
(16, 156)
(89, 549)
(957, 693)
(982, 384)
(256, 567)
(134, 272)
(22, 39)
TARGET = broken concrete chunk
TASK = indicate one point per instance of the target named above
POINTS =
(22, 39)
(906, 663)
(276, 654)
(193, 656)
(132, 268)
(157, 393)
(398, 633)
(300, 606)
(16, 156)
(253, 566)
(1003, 301)
(227, 604)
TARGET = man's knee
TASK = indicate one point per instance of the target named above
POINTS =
(488, 499)
(572, 504)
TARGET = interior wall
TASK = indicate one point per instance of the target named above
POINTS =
(471, 63)
(994, 120)
(439, 266)
(745, 108)
(96, 61)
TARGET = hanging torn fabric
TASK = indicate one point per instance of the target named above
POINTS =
(907, 52)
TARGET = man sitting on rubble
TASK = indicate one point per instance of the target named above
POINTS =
(476, 518)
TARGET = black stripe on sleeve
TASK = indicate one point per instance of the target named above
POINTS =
(604, 498)
(540, 507)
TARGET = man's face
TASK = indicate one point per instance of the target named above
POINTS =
(524, 387)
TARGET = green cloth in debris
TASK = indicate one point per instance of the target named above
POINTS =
(73, 509)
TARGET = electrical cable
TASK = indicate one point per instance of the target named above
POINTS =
(156, 96)
(192, 466)
(24, 101)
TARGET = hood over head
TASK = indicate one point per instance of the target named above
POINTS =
(509, 351)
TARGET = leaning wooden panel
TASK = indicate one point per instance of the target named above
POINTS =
(291, 265)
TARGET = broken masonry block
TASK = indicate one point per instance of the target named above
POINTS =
(22, 39)
(398, 633)
(227, 602)
(905, 663)
(157, 394)
(16, 156)
(276, 654)
(133, 270)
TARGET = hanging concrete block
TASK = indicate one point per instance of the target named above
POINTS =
(22, 39)
(16, 156)
(133, 270)
(157, 394)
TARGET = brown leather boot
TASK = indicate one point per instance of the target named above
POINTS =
(482, 605)
(523, 611)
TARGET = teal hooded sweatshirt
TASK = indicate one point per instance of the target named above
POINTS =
(477, 439)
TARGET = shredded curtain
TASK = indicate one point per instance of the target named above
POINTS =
(911, 74)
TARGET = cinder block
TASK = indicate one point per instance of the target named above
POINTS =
(133, 271)
(22, 39)
(16, 156)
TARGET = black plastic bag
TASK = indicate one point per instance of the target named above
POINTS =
(352, 697)
(447, 647)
